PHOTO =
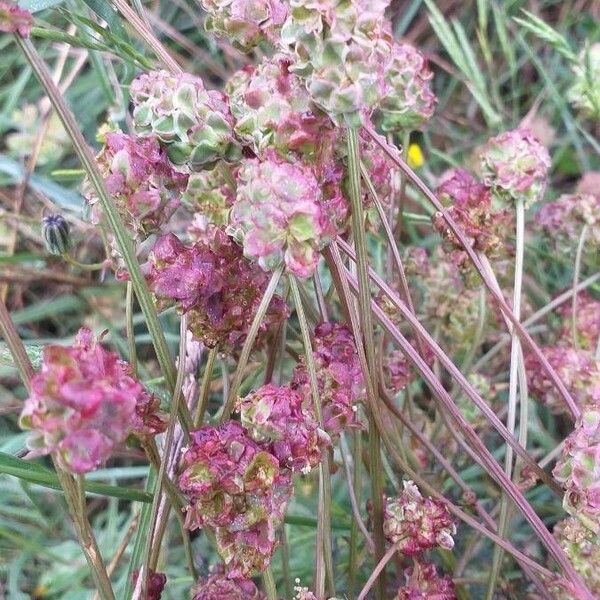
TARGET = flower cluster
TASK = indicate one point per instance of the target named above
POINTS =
(272, 109)
(237, 489)
(195, 123)
(217, 586)
(246, 23)
(277, 415)
(515, 166)
(140, 180)
(579, 470)
(584, 93)
(408, 102)
(416, 524)
(424, 583)
(469, 203)
(341, 49)
(582, 547)
(578, 369)
(587, 321)
(277, 215)
(14, 19)
(212, 281)
(156, 584)
(83, 403)
(339, 377)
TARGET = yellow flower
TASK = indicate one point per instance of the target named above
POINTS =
(415, 156)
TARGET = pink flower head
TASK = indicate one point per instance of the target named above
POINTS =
(219, 586)
(469, 203)
(276, 415)
(408, 102)
(83, 403)
(339, 377)
(582, 547)
(231, 481)
(424, 583)
(578, 369)
(277, 215)
(579, 470)
(218, 286)
(246, 23)
(587, 323)
(416, 524)
(14, 19)
(515, 165)
(156, 584)
(273, 110)
(194, 122)
(140, 180)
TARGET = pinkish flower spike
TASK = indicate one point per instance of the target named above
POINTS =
(416, 524)
(423, 583)
(15, 20)
(219, 586)
(83, 403)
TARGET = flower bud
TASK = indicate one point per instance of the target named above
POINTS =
(56, 233)
(14, 19)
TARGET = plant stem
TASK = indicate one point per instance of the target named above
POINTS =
(123, 238)
(205, 386)
(366, 325)
(15, 346)
(357, 485)
(324, 548)
(130, 328)
(576, 272)
(269, 584)
(84, 266)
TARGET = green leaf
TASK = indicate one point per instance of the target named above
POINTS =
(37, 5)
(40, 475)
(33, 352)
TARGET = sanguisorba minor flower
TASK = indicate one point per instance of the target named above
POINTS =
(587, 321)
(584, 93)
(218, 586)
(193, 122)
(140, 180)
(582, 547)
(235, 487)
(515, 166)
(408, 102)
(246, 23)
(424, 583)
(341, 48)
(339, 377)
(84, 402)
(216, 285)
(278, 416)
(14, 19)
(156, 584)
(277, 215)
(579, 470)
(416, 524)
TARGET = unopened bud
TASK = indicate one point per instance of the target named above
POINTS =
(56, 233)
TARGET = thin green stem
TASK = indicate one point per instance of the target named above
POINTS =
(84, 266)
(576, 272)
(269, 584)
(122, 237)
(364, 300)
(249, 344)
(205, 386)
(324, 564)
(15, 346)
(130, 329)
(354, 532)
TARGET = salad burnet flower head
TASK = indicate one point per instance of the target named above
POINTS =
(219, 586)
(587, 321)
(83, 403)
(14, 19)
(424, 583)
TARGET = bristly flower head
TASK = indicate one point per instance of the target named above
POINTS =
(469, 203)
(83, 403)
(276, 415)
(246, 23)
(584, 94)
(408, 102)
(232, 482)
(582, 547)
(14, 19)
(416, 524)
(587, 322)
(339, 377)
(578, 369)
(277, 216)
(194, 122)
(515, 165)
(140, 180)
(424, 583)
(216, 284)
(579, 470)
(341, 49)
(156, 584)
(272, 110)
(218, 586)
